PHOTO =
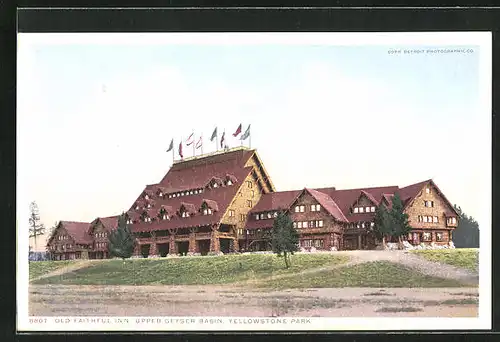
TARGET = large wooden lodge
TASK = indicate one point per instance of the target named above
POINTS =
(226, 202)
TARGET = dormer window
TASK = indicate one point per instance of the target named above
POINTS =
(195, 192)
(269, 215)
(262, 216)
(129, 221)
(136, 207)
(160, 194)
(149, 205)
(361, 210)
(191, 192)
(207, 211)
(229, 182)
(184, 214)
(427, 190)
(275, 214)
(257, 217)
(355, 210)
(215, 185)
(200, 191)
(315, 207)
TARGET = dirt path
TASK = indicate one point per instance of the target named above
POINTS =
(418, 263)
(209, 300)
(404, 258)
(69, 268)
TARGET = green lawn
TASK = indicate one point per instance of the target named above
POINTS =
(459, 257)
(370, 274)
(185, 271)
(38, 268)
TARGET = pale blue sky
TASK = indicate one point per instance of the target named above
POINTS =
(94, 120)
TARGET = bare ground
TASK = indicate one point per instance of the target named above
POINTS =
(89, 300)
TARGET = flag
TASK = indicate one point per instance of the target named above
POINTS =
(190, 140)
(171, 145)
(214, 134)
(199, 143)
(246, 134)
(180, 150)
(238, 131)
(222, 139)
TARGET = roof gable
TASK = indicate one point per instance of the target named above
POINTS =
(78, 231)
(329, 204)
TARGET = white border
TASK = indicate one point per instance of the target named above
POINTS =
(482, 40)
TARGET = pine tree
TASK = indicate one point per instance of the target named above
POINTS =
(383, 225)
(36, 228)
(466, 235)
(121, 240)
(284, 237)
(400, 224)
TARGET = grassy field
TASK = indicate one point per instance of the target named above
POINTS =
(38, 268)
(190, 271)
(370, 274)
(460, 257)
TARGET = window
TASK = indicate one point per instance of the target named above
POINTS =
(275, 214)
(439, 236)
(302, 208)
(318, 243)
(312, 224)
(297, 208)
(355, 210)
(372, 224)
(419, 218)
(453, 220)
(425, 219)
(269, 215)
(215, 185)
(242, 217)
(229, 182)
(308, 243)
(146, 197)
(361, 209)
(231, 212)
(253, 194)
(320, 223)
(249, 184)
(295, 225)
(305, 224)
(149, 206)
(426, 236)
(299, 224)
(182, 194)
(362, 225)
(261, 216)
(191, 192)
(367, 209)
(257, 217)
(205, 211)
(427, 190)
(200, 191)
(432, 204)
(136, 207)
(240, 231)
(160, 194)
(185, 214)
(435, 219)
(249, 203)
(372, 209)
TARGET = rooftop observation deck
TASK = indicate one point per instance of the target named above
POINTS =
(206, 155)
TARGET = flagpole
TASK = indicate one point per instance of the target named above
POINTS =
(217, 141)
(173, 151)
(250, 141)
(201, 143)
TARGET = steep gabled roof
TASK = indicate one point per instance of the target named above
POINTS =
(329, 204)
(211, 204)
(276, 201)
(77, 230)
(409, 193)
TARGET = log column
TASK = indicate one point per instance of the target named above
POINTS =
(172, 246)
(359, 242)
(214, 240)
(193, 246)
(137, 250)
(153, 249)
(236, 244)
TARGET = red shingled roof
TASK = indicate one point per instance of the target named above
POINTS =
(329, 204)
(78, 231)
(275, 201)
(195, 174)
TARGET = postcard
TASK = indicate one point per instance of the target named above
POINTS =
(253, 181)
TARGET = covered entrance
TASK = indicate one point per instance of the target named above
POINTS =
(225, 245)
(203, 246)
(145, 250)
(182, 247)
(163, 249)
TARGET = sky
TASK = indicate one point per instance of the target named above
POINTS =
(96, 115)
